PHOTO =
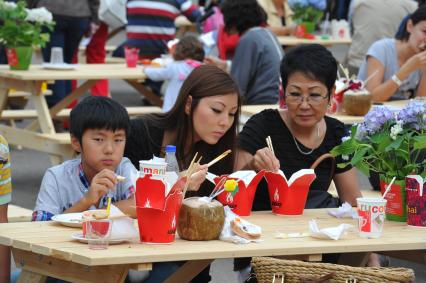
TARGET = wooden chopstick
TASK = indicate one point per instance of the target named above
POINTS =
(219, 158)
(189, 172)
(269, 143)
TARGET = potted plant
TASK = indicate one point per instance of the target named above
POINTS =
(307, 12)
(391, 144)
(21, 30)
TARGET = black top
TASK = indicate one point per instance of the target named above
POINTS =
(145, 140)
(270, 123)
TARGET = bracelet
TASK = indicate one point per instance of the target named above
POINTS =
(396, 80)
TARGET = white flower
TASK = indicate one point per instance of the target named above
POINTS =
(39, 15)
(346, 138)
(396, 129)
(8, 6)
(345, 157)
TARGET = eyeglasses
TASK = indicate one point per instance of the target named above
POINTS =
(313, 98)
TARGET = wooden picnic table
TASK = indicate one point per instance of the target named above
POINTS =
(46, 248)
(18, 214)
(249, 110)
(31, 81)
(294, 41)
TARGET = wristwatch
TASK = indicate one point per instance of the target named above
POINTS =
(396, 80)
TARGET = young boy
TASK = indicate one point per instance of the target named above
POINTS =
(5, 198)
(98, 127)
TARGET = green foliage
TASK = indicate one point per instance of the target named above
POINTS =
(16, 28)
(306, 14)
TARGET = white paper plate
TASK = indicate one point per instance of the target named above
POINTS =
(79, 237)
(63, 66)
(69, 219)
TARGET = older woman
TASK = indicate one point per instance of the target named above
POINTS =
(301, 133)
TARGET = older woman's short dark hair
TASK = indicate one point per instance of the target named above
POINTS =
(242, 14)
(314, 60)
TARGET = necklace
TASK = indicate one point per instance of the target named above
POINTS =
(297, 144)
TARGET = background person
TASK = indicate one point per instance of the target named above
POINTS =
(400, 62)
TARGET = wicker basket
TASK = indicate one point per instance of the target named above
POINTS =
(294, 271)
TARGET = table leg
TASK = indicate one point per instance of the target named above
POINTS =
(31, 277)
(152, 97)
(188, 271)
(78, 92)
(4, 93)
(39, 266)
(44, 118)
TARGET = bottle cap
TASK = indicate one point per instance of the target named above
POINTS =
(170, 148)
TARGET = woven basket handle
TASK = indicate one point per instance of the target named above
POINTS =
(333, 164)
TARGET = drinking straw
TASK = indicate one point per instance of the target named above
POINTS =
(344, 70)
(109, 205)
(219, 158)
(389, 187)
(370, 77)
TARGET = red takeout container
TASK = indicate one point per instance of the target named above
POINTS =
(157, 214)
(288, 197)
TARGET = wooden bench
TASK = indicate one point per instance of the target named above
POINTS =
(9, 114)
(18, 214)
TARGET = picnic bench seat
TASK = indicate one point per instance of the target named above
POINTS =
(10, 114)
(18, 214)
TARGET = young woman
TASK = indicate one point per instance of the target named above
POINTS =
(398, 64)
(204, 119)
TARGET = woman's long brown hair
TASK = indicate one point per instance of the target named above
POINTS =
(204, 81)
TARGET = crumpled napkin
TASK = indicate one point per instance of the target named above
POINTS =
(328, 233)
(122, 228)
(344, 211)
(228, 236)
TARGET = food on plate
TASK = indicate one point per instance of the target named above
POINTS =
(95, 214)
(245, 229)
(200, 219)
(145, 61)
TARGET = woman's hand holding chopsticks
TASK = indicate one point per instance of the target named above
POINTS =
(264, 159)
(198, 177)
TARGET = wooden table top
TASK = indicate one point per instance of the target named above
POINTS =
(52, 239)
(293, 41)
(82, 71)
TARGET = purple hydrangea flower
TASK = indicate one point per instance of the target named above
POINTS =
(302, 3)
(414, 115)
(374, 120)
(319, 4)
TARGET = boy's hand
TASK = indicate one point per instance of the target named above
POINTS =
(101, 184)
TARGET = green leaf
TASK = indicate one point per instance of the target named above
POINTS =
(395, 144)
(364, 168)
(419, 142)
(359, 155)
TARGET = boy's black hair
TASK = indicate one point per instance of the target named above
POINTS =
(314, 60)
(98, 112)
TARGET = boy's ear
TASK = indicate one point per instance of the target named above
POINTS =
(188, 105)
(75, 144)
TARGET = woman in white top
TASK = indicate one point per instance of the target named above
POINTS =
(398, 65)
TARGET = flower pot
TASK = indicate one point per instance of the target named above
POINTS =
(19, 58)
(309, 27)
(396, 209)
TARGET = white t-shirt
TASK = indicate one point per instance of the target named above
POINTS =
(65, 184)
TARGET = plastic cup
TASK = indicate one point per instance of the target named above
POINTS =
(371, 217)
(132, 56)
(156, 169)
(98, 233)
(56, 56)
